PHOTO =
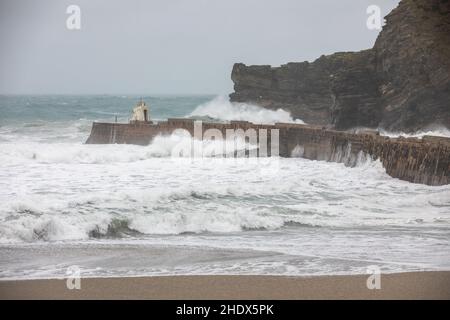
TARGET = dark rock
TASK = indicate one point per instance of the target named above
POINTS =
(402, 83)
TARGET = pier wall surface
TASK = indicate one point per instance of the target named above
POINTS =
(425, 160)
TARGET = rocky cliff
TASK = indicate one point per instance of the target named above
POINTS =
(402, 83)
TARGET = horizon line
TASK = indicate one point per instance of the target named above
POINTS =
(112, 94)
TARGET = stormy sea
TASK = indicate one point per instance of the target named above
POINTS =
(126, 210)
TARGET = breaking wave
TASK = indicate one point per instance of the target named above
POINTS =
(439, 132)
(91, 219)
(55, 188)
(178, 145)
(222, 109)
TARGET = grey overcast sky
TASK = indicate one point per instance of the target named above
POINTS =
(168, 46)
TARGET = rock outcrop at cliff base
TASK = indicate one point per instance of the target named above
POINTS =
(402, 83)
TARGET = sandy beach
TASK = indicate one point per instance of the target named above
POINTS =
(411, 285)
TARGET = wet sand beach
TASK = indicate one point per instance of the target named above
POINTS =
(410, 285)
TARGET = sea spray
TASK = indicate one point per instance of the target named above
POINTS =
(137, 210)
(221, 108)
(161, 146)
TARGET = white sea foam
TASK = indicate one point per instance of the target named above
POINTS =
(66, 200)
(178, 144)
(221, 108)
(439, 132)
(146, 210)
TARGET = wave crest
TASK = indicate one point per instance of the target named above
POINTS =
(222, 109)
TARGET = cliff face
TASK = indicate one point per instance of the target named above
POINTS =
(413, 64)
(402, 83)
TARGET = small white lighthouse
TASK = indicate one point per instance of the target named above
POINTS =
(140, 113)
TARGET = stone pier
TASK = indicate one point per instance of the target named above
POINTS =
(425, 160)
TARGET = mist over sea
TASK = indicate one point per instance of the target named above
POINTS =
(125, 210)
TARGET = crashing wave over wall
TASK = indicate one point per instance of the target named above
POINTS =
(425, 160)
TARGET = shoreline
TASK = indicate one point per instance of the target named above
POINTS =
(408, 285)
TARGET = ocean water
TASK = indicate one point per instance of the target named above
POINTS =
(124, 210)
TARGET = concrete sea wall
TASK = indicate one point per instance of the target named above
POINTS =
(425, 160)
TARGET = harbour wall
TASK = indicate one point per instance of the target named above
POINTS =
(425, 160)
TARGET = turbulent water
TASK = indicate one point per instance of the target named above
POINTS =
(132, 210)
